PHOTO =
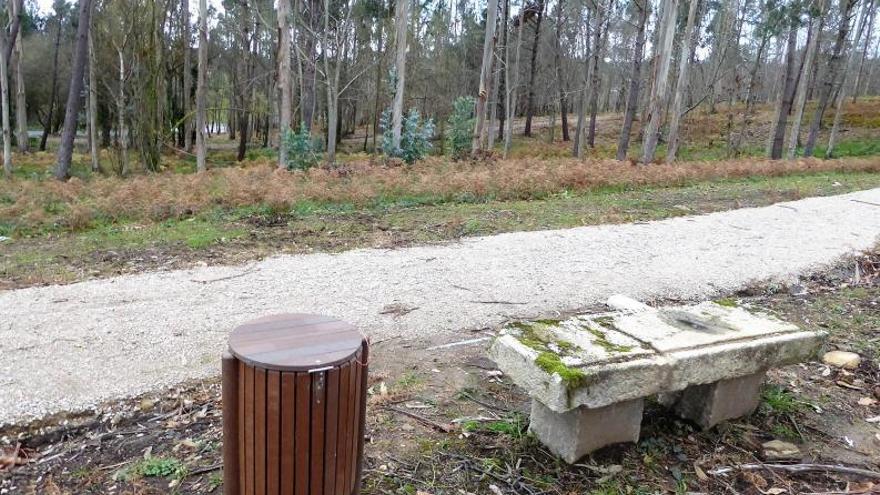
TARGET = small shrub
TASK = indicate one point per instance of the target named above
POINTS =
(302, 152)
(415, 136)
(154, 467)
(460, 127)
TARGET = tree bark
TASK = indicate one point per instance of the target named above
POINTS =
(579, 138)
(68, 134)
(661, 81)
(512, 87)
(681, 85)
(485, 74)
(20, 95)
(201, 89)
(47, 128)
(401, 16)
(595, 79)
(841, 90)
(530, 102)
(830, 82)
(4, 101)
(870, 31)
(284, 112)
(803, 83)
(632, 100)
(187, 78)
(560, 79)
(121, 129)
(786, 94)
(93, 97)
(502, 78)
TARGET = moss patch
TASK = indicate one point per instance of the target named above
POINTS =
(727, 302)
(552, 363)
(602, 340)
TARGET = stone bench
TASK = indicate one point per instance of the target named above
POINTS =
(588, 375)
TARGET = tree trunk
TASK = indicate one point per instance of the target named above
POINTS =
(750, 93)
(4, 101)
(401, 17)
(93, 98)
(511, 87)
(602, 18)
(47, 128)
(377, 106)
(121, 130)
(657, 101)
(632, 100)
(502, 78)
(20, 96)
(283, 79)
(579, 138)
(244, 79)
(530, 103)
(681, 85)
(803, 83)
(485, 74)
(201, 90)
(68, 134)
(786, 95)
(560, 79)
(847, 69)
(332, 88)
(830, 82)
(870, 31)
(187, 78)
(307, 82)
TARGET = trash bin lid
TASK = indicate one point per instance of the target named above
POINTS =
(295, 342)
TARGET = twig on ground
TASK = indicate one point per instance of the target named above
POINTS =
(445, 428)
(242, 274)
(798, 468)
(206, 469)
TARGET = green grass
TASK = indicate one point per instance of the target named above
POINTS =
(154, 467)
(777, 400)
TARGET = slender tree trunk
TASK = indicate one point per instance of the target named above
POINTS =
(401, 16)
(485, 73)
(786, 94)
(632, 100)
(121, 130)
(307, 83)
(283, 79)
(244, 80)
(493, 104)
(847, 70)
(830, 82)
(502, 78)
(530, 103)
(332, 88)
(661, 81)
(201, 89)
(560, 79)
(20, 95)
(68, 134)
(602, 18)
(750, 96)
(47, 128)
(803, 83)
(187, 77)
(377, 106)
(4, 101)
(93, 97)
(681, 85)
(512, 87)
(868, 35)
(579, 138)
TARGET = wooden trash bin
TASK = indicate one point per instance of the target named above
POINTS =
(294, 398)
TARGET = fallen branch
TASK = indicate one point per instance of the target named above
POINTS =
(445, 428)
(206, 469)
(797, 468)
(210, 281)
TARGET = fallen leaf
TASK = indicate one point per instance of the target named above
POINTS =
(701, 475)
(867, 401)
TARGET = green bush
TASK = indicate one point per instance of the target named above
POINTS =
(302, 151)
(460, 127)
(415, 136)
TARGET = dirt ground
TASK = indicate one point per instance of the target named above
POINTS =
(445, 421)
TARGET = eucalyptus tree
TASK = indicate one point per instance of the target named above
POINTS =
(642, 10)
(68, 133)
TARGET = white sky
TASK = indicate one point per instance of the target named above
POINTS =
(45, 6)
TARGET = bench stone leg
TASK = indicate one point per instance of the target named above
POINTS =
(707, 405)
(574, 434)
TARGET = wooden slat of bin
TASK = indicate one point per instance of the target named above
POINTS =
(330, 431)
(342, 429)
(288, 411)
(231, 415)
(301, 435)
(259, 431)
(362, 422)
(249, 429)
(273, 432)
(356, 408)
(316, 435)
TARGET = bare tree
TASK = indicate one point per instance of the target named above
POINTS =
(786, 97)
(578, 144)
(561, 90)
(201, 90)
(831, 75)
(4, 101)
(401, 16)
(50, 117)
(512, 86)
(68, 133)
(485, 73)
(284, 112)
(187, 77)
(93, 97)
(848, 69)
(635, 78)
(656, 102)
(803, 83)
(538, 11)
(17, 67)
(676, 112)
(869, 33)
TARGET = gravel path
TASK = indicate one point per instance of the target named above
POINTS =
(70, 347)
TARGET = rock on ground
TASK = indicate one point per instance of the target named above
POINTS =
(70, 347)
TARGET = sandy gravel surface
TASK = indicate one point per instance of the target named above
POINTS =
(70, 347)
